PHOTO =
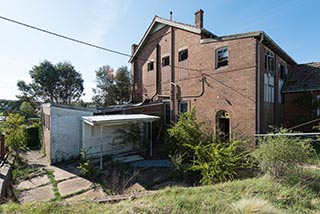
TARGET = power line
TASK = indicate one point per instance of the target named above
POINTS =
(111, 50)
(65, 37)
(86, 43)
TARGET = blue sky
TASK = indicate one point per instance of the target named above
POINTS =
(116, 24)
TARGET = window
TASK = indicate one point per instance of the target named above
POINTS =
(166, 112)
(282, 73)
(183, 107)
(150, 66)
(268, 87)
(165, 61)
(268, 60)
(183, 55)
(222, 57)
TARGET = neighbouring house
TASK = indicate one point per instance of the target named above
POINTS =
(68, 129)
(302, 97)
(235, 81)
(62, 131)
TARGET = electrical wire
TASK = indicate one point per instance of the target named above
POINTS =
(112, 51)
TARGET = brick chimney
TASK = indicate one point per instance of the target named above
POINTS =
(198, 18)
(133, 48)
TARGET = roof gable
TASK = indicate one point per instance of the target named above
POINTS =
(158, 23)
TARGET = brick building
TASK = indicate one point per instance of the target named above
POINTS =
(302, 97)
(233, 81)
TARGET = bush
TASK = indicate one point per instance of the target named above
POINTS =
(279, 155)
(197, 151)
(86, 167)
(219, 161)
(15, 133)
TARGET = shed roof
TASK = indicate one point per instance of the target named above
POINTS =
(305, 78)
(118, 119)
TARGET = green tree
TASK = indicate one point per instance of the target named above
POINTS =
(27, 109)
(59, 83)
(14, 129)
(113, 88)
(122, 85)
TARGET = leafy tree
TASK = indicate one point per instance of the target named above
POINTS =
(112, 87)
(122, 83)
(15, 132)
(27, 109)
(59, 83)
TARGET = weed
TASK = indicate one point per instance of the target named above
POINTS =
(55, 189)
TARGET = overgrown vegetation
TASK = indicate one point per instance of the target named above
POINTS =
(295, 198)
(132, 136)
(53, 181)
(280, 155)
(87, 169)
(197, 150)
(14, 129)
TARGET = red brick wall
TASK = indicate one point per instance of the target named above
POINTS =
(231, 88)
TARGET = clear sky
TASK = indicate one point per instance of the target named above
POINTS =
(116, 24)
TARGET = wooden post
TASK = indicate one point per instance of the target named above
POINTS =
(2, 147)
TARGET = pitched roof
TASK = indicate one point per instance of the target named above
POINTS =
(256, 34)
(158, 23)
(305, 78)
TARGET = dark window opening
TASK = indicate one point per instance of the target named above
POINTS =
(165, 61)
(183, 107)
(183, 55)
(222, 57)
(282, 72)
(166, 113)
(150, 66)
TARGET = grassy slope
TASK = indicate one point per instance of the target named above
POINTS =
(207, 199)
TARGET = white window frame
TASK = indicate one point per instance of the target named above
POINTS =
(218, 60)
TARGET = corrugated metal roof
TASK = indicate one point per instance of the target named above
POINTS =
(118, 119)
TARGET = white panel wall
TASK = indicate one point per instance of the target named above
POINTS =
(95, 138)
(66, 132)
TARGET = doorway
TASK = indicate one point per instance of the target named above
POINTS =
(223, 125)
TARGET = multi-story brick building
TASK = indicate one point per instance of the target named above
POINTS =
(233, 81)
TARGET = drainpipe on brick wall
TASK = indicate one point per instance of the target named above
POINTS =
(203, 79)
(158, 83)
(173, 97)
(258, 81)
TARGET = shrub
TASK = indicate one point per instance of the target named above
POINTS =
(86, 167)
(198, 151)
(254, 205)
(219, 161)
(15, 133)
(278, 155)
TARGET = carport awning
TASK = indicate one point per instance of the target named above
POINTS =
(118, 119)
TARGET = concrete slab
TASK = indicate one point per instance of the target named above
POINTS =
(90, 195)
(73, 185)
(60, 174)
(34, 182)
(44, 193)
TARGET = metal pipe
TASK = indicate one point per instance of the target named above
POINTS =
(203, 79)
(258, 82)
